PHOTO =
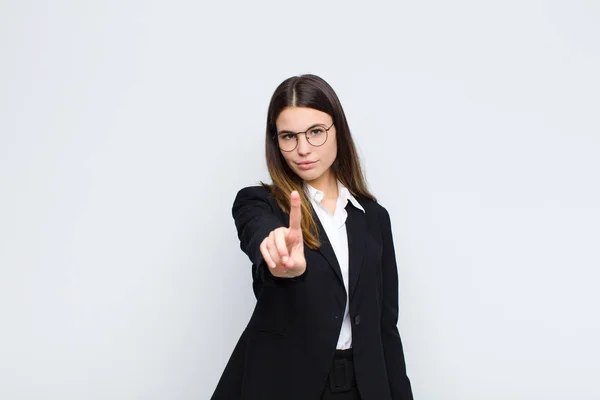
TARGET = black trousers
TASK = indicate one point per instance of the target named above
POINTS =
(341, 383)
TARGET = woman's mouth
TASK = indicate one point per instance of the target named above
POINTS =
(306, 164)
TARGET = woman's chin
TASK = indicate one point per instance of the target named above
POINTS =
(307, 175)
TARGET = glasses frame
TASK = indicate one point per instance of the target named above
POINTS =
(305, 135)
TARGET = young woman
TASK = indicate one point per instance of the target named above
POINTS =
(323, 265)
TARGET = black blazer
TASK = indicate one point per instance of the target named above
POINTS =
(287, 349)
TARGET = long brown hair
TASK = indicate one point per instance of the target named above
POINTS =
(313, 92)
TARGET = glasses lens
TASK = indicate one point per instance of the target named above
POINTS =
(317, 135)
(287, 141)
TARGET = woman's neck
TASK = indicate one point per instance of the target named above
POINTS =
(327, 184)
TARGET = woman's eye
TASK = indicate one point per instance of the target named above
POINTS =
(287, 136)
(316, 132)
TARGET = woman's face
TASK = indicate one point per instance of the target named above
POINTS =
(309, 162)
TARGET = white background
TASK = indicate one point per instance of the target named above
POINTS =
(127, 127)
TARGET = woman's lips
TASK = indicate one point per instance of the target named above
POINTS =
(306, 165)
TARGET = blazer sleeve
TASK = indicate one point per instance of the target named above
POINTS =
(400, 386)
(255, 218)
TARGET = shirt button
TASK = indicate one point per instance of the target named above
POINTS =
(357, 320)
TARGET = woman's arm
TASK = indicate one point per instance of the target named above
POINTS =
(392, 345)
(254, 219)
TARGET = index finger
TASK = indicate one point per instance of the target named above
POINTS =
(295, 213)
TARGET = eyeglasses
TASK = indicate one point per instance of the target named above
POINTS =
(316, 135)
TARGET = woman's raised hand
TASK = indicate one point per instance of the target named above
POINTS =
(283, 249)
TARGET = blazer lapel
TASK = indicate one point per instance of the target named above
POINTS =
(326, 249)
(356, 227)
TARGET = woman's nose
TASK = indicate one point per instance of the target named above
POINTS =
(303, 145)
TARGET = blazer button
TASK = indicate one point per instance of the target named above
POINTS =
(357, 320)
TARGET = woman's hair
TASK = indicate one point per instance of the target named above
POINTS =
(313, 92)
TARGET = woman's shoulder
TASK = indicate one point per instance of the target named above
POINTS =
(254, 190)
(256, 195)
(373, 206)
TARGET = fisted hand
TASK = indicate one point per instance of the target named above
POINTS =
(283, 249)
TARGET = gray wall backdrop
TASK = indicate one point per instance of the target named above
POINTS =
(127, 127)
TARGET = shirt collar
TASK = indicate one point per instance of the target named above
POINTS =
(343, 192)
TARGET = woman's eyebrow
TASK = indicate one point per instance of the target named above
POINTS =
(312, 126)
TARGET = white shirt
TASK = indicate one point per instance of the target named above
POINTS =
(335, 228)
